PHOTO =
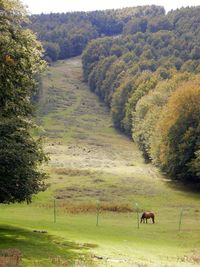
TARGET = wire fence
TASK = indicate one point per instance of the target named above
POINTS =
(178, 218)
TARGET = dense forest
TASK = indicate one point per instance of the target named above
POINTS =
(66, 35)
(149, 77)
(144, 64)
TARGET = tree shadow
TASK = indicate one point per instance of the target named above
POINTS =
(42, 247)
(184, 186)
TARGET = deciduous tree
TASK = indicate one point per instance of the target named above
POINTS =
(20, 62)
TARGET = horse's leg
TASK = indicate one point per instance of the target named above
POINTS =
(153, 219)
(146, 220)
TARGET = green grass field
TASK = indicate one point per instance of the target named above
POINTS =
(92, 164)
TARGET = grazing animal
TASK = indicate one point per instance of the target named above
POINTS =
(146, 216)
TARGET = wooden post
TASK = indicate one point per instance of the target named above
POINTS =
(98, 210)
(54, 209)
(138, 217)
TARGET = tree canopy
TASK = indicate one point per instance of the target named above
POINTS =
(149, 77)
(67, 34)
(20, 62)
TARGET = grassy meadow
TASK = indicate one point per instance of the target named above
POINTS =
(92, 165)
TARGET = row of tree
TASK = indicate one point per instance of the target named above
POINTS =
(184, 20)
(20, 62)
(66, 35)
(150, 81)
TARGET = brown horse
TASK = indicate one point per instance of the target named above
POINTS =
(146, 216)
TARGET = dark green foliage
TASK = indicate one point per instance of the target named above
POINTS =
(194, 165)
(180, 153)
(186, 21)
(160, 24)
(20, 63)
(106, 22)
(156, 48)
(72, 31)
(147, 83)
(154, 24)
(98, 74)
(67, 33)
(19, 158)
(119, 101)
(52, 51)
(112, 80)
(136, 25)
(99, 49)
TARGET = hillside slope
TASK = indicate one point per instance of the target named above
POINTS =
(92, 164)
(78, 128)
(91, 161)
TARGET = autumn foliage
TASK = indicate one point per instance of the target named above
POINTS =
(149, 77)
(179, 128)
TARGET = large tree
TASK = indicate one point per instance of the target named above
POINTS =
(20, 62)
(179, 129)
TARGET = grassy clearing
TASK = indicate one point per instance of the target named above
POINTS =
(40, 249)
(90, 163)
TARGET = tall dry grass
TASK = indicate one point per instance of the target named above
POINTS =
(10, 258)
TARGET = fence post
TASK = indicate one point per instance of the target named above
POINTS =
(138, 217)
(54, 209)
(98, 208)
